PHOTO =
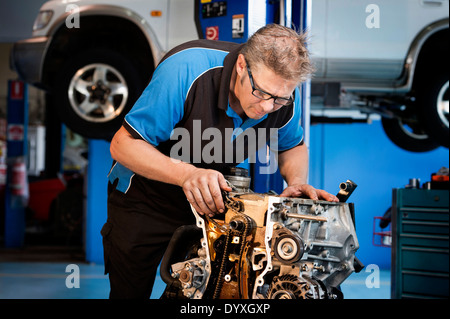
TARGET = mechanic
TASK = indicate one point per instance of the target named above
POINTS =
(199, 85)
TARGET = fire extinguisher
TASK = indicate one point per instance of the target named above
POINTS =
(19, 182)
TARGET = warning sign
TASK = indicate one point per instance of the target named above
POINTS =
(212, 33)
(15, 132)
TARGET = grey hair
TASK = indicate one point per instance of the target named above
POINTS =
(281, 49)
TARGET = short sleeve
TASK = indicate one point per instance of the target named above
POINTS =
(291, 134)
(161, 105)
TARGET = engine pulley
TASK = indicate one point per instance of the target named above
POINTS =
(288, 248)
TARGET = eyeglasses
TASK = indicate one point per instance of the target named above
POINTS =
(267, 96)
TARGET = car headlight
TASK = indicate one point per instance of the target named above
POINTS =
(42, 19)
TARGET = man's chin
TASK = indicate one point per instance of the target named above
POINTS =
(257, 116)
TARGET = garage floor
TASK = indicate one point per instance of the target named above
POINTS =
(28, 277)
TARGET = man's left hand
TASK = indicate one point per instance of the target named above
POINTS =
(305, 190)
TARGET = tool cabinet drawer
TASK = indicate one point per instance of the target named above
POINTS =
(429, 259)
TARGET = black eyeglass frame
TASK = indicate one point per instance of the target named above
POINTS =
(288, 101)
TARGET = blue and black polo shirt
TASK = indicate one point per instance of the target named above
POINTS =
(189, 90)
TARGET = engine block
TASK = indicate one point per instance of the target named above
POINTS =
(266, 247)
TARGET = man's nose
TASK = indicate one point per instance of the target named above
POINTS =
(267, 105)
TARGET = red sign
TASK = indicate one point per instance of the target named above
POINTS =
(15, 132)
(16, 90)
(212, 33)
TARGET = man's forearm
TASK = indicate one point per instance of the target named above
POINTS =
(145, 160)
(202, 187)
(293, 165)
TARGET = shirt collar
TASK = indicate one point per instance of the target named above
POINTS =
(228, 66)
(239, 123)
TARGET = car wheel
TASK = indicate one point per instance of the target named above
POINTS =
(94, 92)
(433, 99)
(408, 134)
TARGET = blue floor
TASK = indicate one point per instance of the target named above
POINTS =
(41, 280)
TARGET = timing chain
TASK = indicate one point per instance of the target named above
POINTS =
(241, 251)
(222, 266)
(237, 207)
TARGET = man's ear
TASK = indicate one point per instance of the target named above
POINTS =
(241, 65)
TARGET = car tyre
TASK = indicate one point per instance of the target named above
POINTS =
(408, 136)
(94, 91)
(433, 99)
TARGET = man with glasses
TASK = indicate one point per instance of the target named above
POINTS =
(200, 87)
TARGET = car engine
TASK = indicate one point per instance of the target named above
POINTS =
(264, 247)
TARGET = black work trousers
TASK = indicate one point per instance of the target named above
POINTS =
(139, 227)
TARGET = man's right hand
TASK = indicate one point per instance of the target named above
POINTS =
(203, 189)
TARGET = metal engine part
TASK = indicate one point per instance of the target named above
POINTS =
(267, 247)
